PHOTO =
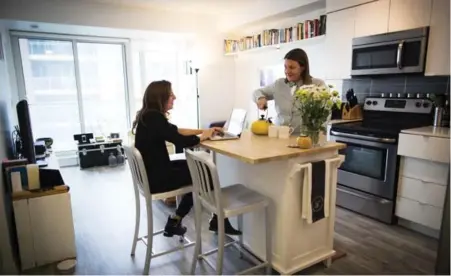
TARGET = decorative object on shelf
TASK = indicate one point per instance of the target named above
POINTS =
(261, 126)
(112, 160)
(119, 156)
(315, 105)
(303, 30)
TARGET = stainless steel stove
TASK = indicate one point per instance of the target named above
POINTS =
(367, 180)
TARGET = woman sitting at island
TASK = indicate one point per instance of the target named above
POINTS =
(152, 131)
(297, 73)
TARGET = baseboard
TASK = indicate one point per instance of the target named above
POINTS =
(419, 228)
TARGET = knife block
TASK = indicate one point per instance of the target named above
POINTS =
(353, 114)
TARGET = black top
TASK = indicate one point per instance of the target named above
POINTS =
(150, 139)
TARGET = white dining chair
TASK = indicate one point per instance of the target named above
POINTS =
(141, 187)
(234, 200)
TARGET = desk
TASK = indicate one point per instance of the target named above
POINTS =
(265, 165)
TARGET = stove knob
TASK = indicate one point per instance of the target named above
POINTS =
(418, 104)
(425, 105)
(368, 102)
(374, 102)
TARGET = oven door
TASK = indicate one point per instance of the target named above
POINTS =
(370, 164)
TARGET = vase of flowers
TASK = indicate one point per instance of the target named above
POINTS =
(315, 105)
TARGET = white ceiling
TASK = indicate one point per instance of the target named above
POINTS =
(229, 13)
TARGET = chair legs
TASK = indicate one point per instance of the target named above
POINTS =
(198, 227)
(221, 241)
(137, 222)
(149, 238)
(268, 242)
(240, 238)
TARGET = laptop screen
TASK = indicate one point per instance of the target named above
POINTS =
(236, 121)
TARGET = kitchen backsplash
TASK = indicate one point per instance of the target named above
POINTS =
(374, 86)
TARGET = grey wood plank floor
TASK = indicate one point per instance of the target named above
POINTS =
(104, 217)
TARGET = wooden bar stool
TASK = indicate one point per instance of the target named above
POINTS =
(234, 200)
(141, 187)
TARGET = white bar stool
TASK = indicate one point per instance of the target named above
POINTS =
(141, 186)
(234, 200)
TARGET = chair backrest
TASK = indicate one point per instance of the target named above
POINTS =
(205, 178)
(138, 170)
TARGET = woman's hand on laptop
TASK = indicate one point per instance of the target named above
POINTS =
(218, 130)
(207, 134)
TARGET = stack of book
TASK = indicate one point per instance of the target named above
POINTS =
(302, 30)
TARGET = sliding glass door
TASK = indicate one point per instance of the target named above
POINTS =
(72, 87)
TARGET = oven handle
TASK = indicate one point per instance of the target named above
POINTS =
(378, 200)
(362, 137)
(399, 54)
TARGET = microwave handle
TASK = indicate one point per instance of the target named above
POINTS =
(399, 54)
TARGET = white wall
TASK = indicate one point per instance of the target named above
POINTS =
(6, 259)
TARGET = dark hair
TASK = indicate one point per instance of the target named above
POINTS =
(155, 98)
(300, 56)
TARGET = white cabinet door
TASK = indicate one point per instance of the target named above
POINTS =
(372, 18)
(53, 228)
(437, 61)
(409, 14)
(340, 31)
(335, 5)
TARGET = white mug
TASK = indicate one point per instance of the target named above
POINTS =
(285, 132)
(273, 131)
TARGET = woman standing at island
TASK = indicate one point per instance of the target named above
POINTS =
(297, 73)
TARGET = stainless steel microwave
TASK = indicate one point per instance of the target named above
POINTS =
(391, 53)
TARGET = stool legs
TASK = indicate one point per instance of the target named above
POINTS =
(240, 238)
(137, 221)
(198, 227)
(221, 241)
(149, 237)
(268, 242)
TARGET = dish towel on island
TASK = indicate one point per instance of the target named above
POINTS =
(315, 185)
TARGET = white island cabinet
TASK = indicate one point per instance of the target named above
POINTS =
(423, 177)
(270, 167)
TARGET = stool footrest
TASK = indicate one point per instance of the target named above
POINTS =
(258, 264)
(203, 255)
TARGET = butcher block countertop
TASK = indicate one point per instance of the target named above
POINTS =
(254, 149)
(441, 132)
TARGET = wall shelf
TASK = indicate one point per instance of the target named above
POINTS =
(297, 43)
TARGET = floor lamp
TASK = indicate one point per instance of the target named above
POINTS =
(196, 70)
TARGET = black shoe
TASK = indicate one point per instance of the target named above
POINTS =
(174, 227)
(229, 230)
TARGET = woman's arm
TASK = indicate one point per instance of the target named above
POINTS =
(266, 92)
(159, 125)
(187, 131)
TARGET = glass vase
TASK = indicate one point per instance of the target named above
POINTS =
(314, 136)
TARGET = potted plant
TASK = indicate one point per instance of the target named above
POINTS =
(315, 105)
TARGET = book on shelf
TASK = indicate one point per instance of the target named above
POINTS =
(302, 30)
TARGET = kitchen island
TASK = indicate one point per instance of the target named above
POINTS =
(268, 166)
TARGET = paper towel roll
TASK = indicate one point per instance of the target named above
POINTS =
(33, 177)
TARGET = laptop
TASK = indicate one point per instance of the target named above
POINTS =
(233, 127)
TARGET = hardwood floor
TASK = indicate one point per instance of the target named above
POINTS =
(104, 217)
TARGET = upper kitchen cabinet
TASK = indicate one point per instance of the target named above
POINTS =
(340, 31)
(409, 14)
(372, 18)
(437, 60)
(335, 5)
